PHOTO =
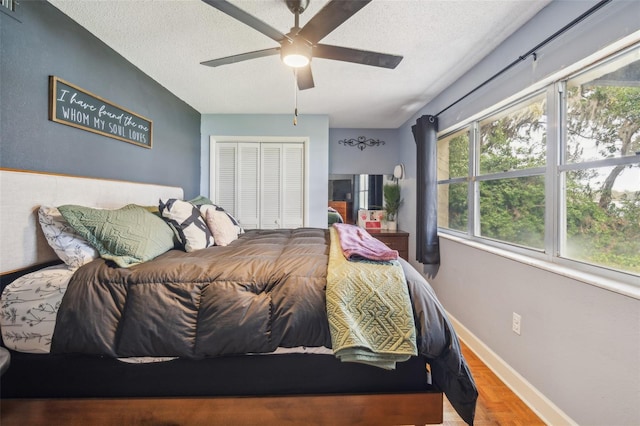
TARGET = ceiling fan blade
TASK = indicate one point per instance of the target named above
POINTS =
(357, 56)
(241, 57)
(250, 20)
(304, 78)
(329, 18)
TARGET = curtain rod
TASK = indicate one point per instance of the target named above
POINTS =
(531, 52)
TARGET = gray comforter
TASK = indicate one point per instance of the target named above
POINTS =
(266, 290)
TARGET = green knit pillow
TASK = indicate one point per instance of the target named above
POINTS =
(128, 236)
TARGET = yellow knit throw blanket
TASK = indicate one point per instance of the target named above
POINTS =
(369, 310)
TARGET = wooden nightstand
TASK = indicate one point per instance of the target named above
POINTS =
(344, 208)
(397, 240)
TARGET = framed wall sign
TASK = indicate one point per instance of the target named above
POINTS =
(76, 107)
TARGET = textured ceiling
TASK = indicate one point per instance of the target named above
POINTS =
(439, 39)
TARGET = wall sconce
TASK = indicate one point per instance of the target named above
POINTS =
(398, 172)
(361, 142)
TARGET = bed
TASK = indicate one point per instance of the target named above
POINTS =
(285, 365)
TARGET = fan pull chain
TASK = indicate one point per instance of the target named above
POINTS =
(295, 96)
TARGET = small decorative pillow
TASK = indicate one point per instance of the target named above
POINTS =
(188, 223)
(236, 223)
(70, 247)
(223, 229)
(205, 207)
(128, 236)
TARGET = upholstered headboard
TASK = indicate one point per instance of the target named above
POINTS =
(22, 243)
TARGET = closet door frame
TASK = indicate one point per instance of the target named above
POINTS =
(261, 139)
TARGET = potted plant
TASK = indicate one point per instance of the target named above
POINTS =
(392, 201)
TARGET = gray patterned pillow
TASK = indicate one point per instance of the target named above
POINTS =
(187, 221)
(128, 236)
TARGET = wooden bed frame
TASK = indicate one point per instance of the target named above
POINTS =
(403, 409)
(24, 247)
(90, 390)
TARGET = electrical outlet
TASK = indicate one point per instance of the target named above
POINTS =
(516, 322)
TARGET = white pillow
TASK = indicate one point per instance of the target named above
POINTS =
(205, 207)
(223, 229)
(188, 223)
(70, 247)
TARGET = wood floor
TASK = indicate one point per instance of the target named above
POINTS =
(497, 405)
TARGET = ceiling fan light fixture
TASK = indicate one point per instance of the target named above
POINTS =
(296, 61)
(296, 54)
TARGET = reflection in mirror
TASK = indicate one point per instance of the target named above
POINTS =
(349, 193)
(369, 191)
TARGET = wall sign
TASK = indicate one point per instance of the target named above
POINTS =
(73, 106)
(361, 143)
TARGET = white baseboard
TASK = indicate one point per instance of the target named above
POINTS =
(532, 397)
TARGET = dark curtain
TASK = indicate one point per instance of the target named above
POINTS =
(375, 192)
(427, 243)
(355, 198)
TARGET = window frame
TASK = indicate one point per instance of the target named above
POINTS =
(363, 191)
(554, 173)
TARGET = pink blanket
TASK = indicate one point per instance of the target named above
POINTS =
(357, 243)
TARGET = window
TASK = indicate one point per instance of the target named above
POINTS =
(363, 192)
(512, 156)
(600, 167)
(560, 183)
(9, 4)
(512, 210)
(453, 176)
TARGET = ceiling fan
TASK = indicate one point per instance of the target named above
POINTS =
(298, 46)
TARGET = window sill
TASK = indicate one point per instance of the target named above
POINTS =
(10, 13)
(609, 284)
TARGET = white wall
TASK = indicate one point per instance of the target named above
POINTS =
(315, 127)
(580, 344)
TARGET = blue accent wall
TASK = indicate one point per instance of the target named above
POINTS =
(39, 41)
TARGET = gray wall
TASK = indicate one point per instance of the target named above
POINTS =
(315, 127)
(580, 344)
(43, 42)
(378, 160)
